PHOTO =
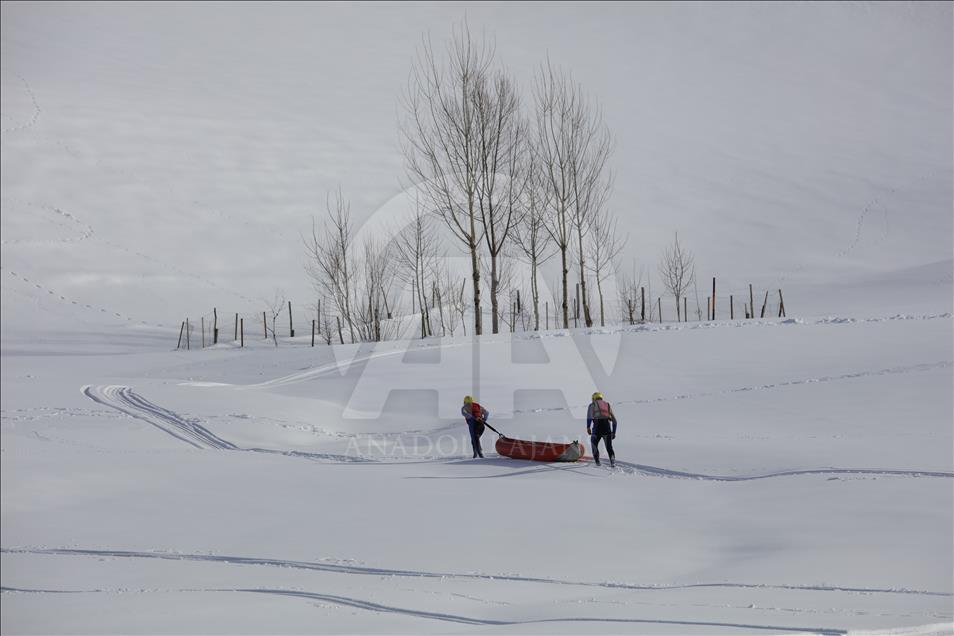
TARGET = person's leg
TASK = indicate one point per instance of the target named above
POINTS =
(595, 445)
(474, 440)
(608, 440)
(477, 434)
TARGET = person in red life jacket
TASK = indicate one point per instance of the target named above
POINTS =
(599, 415)
(475, 415)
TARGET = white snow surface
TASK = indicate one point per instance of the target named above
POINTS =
(775, 475)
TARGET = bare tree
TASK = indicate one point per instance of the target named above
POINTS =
(330, 263)
(441, 139)
(502, 173)
(606, 244)
(532, 237)
(572, 145)
(678, 271)
(372, 303)
(414, 253)
(274, 309)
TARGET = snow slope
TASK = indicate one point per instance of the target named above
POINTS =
(775, 475)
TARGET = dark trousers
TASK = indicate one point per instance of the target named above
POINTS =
(476, 430)
(602, 431)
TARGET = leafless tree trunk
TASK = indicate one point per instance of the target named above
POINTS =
(274, 309)
(677, 270)
(414, 253)
(441, 139)
(502, 173)
(606, 244)
(532, 237)
(573, 145)
(331, 257)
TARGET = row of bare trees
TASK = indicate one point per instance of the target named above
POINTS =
(506, 177)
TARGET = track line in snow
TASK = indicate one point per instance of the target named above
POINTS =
(86, 230)
(78, 303)
(336, 568)
(916, 368)
(125, 400)
(345, 365)
(362, 604)
(36, 107)
(655, 471)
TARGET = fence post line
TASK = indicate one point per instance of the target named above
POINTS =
(265, 325)
(764, 304)
(781, 305)
(215, 326)
(243, 331)
(731, 307)
(291, 328)
(685, 309)
(751, 303)
(202, 322)
(642, 311)
(713, 299)
(188, 336)
(313, 332)
(181, 329)
(659, 303)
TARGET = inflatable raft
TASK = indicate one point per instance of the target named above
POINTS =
(539, 451)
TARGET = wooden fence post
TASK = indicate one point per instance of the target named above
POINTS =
(764, 303)
(713, 299)
(181, 329)
(731, 307)
(202, 319)
(215, 326)
(242, 323)
(577, 309)
(659, 302)
(188, 336)
(781, 305)
(685, 309)
(547, 307)
(751, 303)
(236, 327)
(265, 325)
(642, 311)
(313, 332)
(291, 328)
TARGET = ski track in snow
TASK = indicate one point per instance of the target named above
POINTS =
(125, 400)
(357, 603)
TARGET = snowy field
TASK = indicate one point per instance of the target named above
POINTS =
(776, 475)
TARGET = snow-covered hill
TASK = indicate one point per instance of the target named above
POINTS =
(775, 475)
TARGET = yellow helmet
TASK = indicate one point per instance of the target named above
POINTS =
(597, 396)
(468, 399)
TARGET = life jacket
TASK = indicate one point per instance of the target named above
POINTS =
(602, 411)
(476, 410)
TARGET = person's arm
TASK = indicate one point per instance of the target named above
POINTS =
(466, 413)
(484, 413)
(589, 419)
(613, 418)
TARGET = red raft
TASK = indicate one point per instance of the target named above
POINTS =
(539, 451)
